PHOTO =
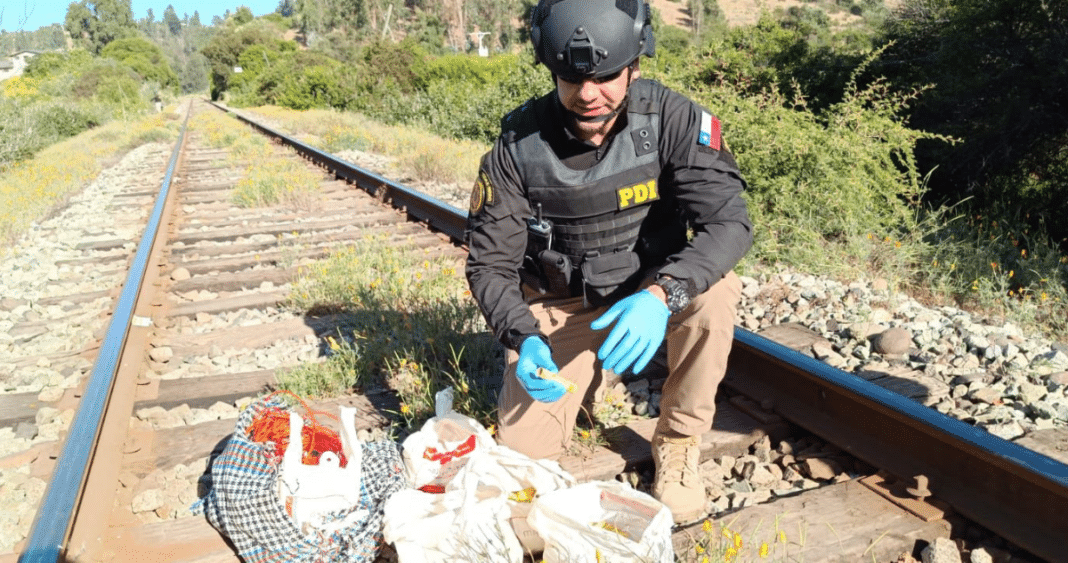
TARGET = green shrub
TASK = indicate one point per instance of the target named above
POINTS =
(51, 64)
(111, 83)
(832, 179)
(26, 128)
(145, 58)
(471, 105)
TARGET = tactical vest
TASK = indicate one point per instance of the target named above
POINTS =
(599, 210)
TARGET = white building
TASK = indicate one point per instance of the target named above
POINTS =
(14, 65)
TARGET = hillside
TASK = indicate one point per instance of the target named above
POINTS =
(742, 12)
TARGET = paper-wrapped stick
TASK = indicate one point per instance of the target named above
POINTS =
(554, 376)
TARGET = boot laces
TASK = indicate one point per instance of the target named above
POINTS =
(676, 466)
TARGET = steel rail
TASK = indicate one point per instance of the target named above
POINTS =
(1019, 494)
(52, 523)
(1015, 492)
(439, 215)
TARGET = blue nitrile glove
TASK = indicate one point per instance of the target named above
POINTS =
(641, 322)
(534, 353)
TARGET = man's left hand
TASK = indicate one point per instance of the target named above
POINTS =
(640, 324)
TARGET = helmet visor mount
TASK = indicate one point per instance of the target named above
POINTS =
(581, 56)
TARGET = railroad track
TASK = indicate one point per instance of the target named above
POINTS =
(202, 296)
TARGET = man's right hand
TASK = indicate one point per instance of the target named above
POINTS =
(534, 354)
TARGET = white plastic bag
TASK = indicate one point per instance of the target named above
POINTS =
(520, 480)
(459, 526)
(436, 453)
(311, 493)
(602, 521)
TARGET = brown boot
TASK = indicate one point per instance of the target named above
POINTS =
(678, 483)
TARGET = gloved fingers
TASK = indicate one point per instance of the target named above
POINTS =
(546, 362)
(644, 360)
(629, 358)
(550, 395)
(619, 334)
(541, 389)
(621, 351)
(609, 316)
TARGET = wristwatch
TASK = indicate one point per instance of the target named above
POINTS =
(677, 293)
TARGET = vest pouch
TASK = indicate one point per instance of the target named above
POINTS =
(556, 268)
(608, 277)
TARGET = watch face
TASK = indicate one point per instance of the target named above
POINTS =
(678, 297)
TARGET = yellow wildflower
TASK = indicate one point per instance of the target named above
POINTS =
(782, 536)
(730, 554)
(405, 409)
(737, 540)
(698, 549)
(764, 550)
(707, 526)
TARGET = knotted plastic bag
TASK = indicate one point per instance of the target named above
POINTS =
(602, 521)
(519, 480)
(435, 453)
(457, 526)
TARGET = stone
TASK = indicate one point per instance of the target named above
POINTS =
(892, 341)
(163, 354)
(819, 469)
(943, 550)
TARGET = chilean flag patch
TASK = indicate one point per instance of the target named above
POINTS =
(710, 132)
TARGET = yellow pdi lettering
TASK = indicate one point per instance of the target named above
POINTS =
(637, 194)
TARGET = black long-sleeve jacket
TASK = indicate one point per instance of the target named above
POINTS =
(699, 182)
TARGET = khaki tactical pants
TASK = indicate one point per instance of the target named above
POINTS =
(698, 342)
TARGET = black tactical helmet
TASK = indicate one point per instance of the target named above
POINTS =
(583, 39)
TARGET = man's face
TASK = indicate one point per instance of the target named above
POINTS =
(593, 98)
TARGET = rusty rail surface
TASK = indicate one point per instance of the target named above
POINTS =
(1019, 494)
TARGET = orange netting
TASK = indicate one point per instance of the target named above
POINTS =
(272, 425)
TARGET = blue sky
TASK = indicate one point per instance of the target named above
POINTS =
(32, 14)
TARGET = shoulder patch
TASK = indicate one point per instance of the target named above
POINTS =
(481, 193)
(710, 132)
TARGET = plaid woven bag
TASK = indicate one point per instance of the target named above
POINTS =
(242, 502)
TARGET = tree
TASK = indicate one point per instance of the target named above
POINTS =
(143, 57)
(1000, 71)
(243, 15)
(195, 20)
(171, 21)
(224, 51)
(95, 23)
(286, 8)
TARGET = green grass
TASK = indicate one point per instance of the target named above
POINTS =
(406, 322)
(270, 178)
(34, 188)
(417, 153)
